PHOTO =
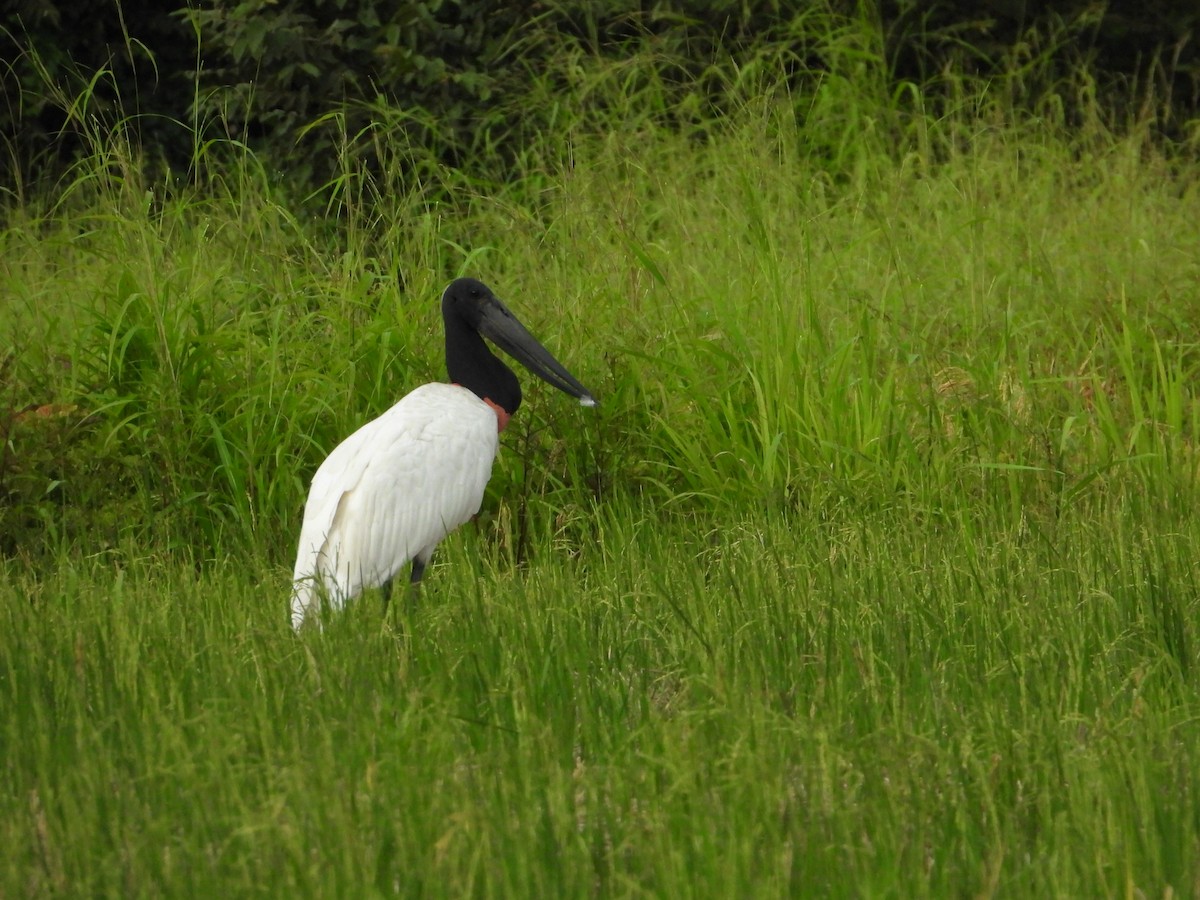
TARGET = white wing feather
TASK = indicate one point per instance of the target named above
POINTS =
(390, 492)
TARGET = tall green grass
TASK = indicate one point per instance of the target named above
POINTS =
(872, 573)
(940, 302)
(775, 706)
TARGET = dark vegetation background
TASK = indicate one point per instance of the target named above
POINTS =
(264, 72)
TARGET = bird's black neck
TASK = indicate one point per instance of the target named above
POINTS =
(470, 363)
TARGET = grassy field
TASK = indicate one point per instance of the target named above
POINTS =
(872, 575)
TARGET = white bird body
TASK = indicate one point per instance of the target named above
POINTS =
(390, 492)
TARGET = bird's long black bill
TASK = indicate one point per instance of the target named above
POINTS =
(504, 330)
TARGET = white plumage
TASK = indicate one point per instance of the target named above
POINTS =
(390, 492)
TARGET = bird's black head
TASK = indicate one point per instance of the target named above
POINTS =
(470, 309)
(464, 298)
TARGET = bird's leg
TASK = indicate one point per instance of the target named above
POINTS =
(418, 569)
(386, 590)
(414, 581)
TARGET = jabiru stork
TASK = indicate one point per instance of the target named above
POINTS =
(393, 489)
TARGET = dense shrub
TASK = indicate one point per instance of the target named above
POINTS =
(460, 71)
